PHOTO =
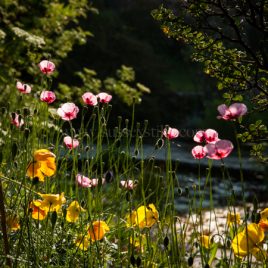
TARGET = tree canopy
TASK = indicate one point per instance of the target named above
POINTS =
(230, 39)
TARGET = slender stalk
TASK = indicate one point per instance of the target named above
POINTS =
(4, 226)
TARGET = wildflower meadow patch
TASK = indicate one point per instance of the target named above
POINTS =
(73, 196)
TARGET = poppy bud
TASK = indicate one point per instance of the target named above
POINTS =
(53, 218)
(109, 176)
(138, 261)
(26, 111)
(13, 115)
(26, 133)
(166, 241)
(159, 144)
(3, 110)
(132, 260)
(35, 180)
(190, 261)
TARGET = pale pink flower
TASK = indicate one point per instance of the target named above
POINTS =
(83, 181)
(128, 185)
(47, 67)
(232, 112)
(198, 152)
(171, 133)
(23, 88)
(104, 97)
(47, 96)
(90, 99)
(220, 149)
(70, 143)
(95, 182)
(211, 135)
(68, 111)
(17, 121)
(199, 136)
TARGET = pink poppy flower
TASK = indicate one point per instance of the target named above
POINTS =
(104, 97)
(171, 133)
(47, 67)
(90, 99)
(128, 185)
(199, 136)
(23, 88)
(47, 96)
(68, 111)
(211, 135)
(232, 112)
(70, 143)
(83, 181)
(220, 149)
(198, 152)
(16, 120)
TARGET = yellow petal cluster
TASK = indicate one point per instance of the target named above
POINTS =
(247, 241)
(144, 216)
(82, 242)
(12, 223)
(43, 165)
(97, 230)
(233, 218)
(205, 241)
(37, 212)
(73, 211)
(264, 219)
(51, 202)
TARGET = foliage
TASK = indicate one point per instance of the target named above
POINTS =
(123, 85)
(32, 31)
(230, 39)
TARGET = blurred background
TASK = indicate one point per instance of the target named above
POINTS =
(126, 34)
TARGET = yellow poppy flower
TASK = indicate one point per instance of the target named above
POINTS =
(73, 212)
(52, 202)
(131, 219)
(97, 230)
(263, 223)
(205, 241)
(37, 212)
(264, 214)
(43, 165)
(12, 223)
(143, 217)
(233, 218)
(245, 241)
(82, 242)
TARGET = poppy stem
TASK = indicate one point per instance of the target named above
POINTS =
(3, 225)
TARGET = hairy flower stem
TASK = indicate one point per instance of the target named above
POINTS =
(3, 225)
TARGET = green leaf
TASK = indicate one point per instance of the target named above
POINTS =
(213, 252)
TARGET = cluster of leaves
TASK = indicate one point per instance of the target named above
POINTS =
(230, 39)
(123, 85)
(32, 30)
